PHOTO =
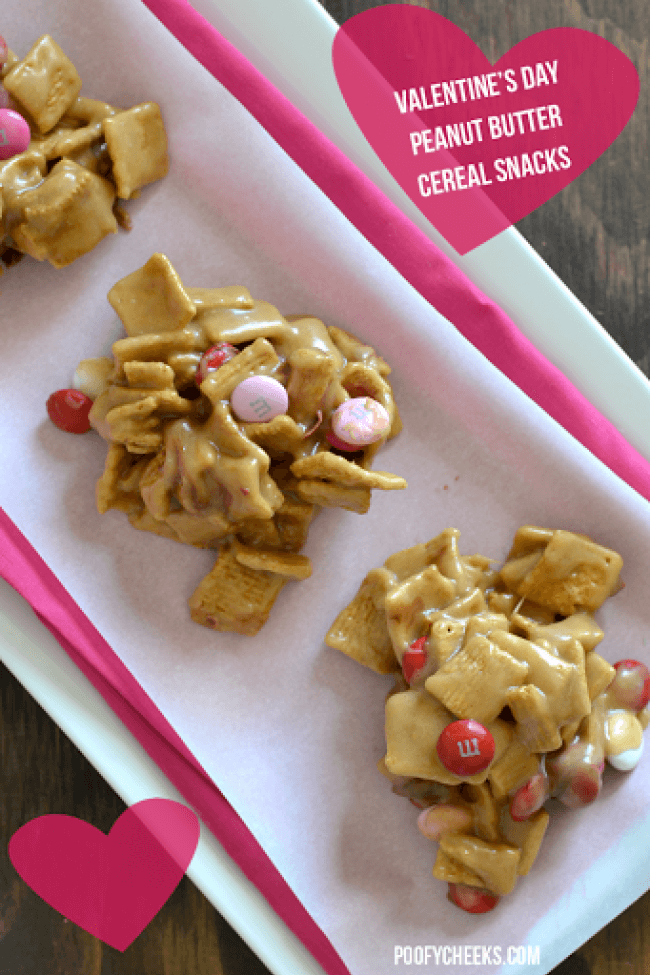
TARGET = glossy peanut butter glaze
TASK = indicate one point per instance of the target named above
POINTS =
(59, 197)
(526, 669)
(183, 465)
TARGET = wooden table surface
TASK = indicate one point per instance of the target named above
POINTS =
(595, 237)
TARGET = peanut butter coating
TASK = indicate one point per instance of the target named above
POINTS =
(58, 198)
(183, 465)
(492, 646)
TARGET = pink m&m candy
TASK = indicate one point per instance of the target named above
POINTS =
(14, 133)
(465, 747)
(359, 422)
(258, 399)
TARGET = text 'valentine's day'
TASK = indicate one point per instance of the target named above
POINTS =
(472, 132)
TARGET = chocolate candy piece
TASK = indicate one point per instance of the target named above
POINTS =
(213, 358)
(68, 410)
(414, 659)
(631, 686)
(529, 798)
(474, 900)
(436, 820)
(360, 422)
(14, 133)
(465, 747)
(259, 399)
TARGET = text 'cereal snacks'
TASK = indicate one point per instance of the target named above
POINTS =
(59, 193)
(501, 701)
(218, 412)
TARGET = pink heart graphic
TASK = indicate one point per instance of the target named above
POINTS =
(111, 886)
(477, 147)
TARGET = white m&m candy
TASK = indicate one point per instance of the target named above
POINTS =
(258, 399)
(14, 133)
(360, 422)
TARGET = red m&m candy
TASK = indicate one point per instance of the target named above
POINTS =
(529, 798)
(214, 358)
(68, 410)
(474, 900)
(414, 659)
(465, 747)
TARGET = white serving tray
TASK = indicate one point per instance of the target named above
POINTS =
(34, 657)
(290, 40)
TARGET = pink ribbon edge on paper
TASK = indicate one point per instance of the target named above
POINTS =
(416, 258)
(23, 568)
(439, 281)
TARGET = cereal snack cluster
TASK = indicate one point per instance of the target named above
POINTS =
(500, 700)
(65, 160)
(219, 414)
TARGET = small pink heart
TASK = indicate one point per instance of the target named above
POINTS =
(111, 886)
(408, 77)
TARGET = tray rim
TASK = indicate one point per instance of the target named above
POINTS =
(44, 668)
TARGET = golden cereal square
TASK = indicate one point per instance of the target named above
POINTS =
(414, 721)
(66, 216)
(405, 604)
(599, 672)
(288, 564)
(527, 836)
(360, 629)
(538, 728)
(573, 574)
(45, 83)
(515, 767)
(197, 530)
(453, 872)
(137, 145)
(152, 299)
(474, 683)
(233, 598)
(333, 496)
(332, 467)
(497, 864)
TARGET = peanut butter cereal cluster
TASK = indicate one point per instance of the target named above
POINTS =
(65, 160)
(230, 427)
(500, 700)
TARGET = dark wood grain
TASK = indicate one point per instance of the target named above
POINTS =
(595, 237)
(594, 234)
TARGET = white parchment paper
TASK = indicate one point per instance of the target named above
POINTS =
(290, 730)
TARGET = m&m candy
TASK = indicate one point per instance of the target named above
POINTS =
(14, 133)
(529, 797)
(259, 399)
(414, 659)
(214, 358)
(68, 410)
(631, 685)
(465, 747)
(357, 423)
(474, 900)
